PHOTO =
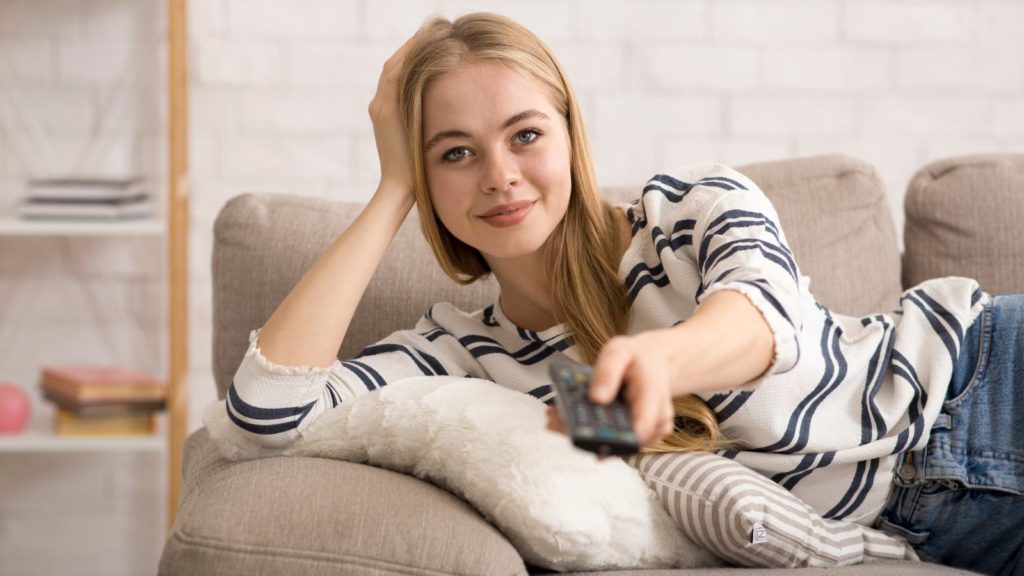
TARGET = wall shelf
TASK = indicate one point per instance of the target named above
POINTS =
(38, 437)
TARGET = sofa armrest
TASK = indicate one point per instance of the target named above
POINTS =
(288, 515)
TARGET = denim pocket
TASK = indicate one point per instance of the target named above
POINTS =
(971, 365)
(932, 490)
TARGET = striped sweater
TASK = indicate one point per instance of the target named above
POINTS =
(842, 398)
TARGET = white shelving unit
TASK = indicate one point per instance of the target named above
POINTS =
(172, 226)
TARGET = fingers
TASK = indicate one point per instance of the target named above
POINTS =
(396, 164)
(396, 59)
(555, 423)
(650, 404)
(386, 86)
(642, 374)
(609, 371)
(641, 371)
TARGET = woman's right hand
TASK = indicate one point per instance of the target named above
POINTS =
(396, 170)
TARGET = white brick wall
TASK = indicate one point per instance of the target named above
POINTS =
(837, 71)
(777, 23)
(296, 19)
(909, 23)
(279, 90)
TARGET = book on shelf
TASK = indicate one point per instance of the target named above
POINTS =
(67, 423)
(80, 385)
(120, 209)
(84, 188)
(85, 198)
(110, 406)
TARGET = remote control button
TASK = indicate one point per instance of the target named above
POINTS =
(621, 420)
(585, 431)
(606, 433)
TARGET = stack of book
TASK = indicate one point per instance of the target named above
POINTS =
(103, 400)
(85, 199)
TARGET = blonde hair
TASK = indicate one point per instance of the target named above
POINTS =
(583, 250)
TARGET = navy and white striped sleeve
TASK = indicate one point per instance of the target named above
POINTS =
(739, 245)
(270, 405)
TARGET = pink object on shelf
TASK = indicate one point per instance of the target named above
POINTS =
(14, 408)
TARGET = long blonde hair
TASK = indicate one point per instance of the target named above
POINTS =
(583, 250)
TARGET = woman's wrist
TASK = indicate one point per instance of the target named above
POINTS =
(396, 192)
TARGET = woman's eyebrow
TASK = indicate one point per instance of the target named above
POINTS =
(524, 115)
(514, 119)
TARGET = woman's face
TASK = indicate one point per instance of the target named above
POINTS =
(494, 142)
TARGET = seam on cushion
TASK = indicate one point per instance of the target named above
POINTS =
(829, 176)
(306, 555)
(960, 165)
(936, 175)
(831, 559)
(262, 207)
(661, 482)
(813, 533)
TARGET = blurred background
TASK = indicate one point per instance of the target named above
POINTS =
(278, 97)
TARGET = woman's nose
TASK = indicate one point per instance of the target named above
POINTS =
(501, 172)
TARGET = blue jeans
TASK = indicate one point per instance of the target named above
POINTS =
(960, 500)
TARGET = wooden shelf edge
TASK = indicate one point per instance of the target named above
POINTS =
(38, 437)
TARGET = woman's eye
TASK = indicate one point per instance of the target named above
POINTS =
(527, 136)
(455, 154)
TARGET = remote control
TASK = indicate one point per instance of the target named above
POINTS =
(601, 428)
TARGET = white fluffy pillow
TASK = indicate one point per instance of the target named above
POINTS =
(561, 508)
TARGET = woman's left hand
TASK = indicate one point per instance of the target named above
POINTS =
(641, 365)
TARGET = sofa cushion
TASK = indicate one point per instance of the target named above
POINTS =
(749, 520)
(964, 217)
(315, 516)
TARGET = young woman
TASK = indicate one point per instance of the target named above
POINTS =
(688, 298)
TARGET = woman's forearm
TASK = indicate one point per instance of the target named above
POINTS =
(726, 343)
(308, 327)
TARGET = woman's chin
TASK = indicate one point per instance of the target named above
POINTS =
(511, 252)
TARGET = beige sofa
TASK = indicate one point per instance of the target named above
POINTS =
(316, 516)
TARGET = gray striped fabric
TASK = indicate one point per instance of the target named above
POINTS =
(748, 520)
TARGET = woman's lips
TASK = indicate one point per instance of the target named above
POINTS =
(509, 214)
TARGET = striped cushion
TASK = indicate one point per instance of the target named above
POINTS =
(748, 520)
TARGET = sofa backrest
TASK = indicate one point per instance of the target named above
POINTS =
(833, 210)
(965, 217)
